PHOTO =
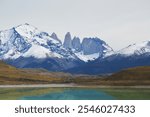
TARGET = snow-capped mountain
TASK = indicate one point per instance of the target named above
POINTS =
(89, 49)
(27, 41)
(136, 49)
(25, 46)
(132, 56)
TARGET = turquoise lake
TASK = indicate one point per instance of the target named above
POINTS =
(72, 94)
(62, 93)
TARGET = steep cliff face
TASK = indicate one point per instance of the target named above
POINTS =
(76, 44)
(54, 36)
(87, 50)
(91, 46)
(67, 41)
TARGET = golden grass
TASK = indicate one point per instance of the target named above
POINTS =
(130, 77)
(12, 75)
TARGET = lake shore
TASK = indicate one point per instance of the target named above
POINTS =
(71, 85)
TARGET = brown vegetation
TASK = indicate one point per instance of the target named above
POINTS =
(134, 76)
(12, 75)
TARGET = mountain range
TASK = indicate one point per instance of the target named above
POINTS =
(25, 46)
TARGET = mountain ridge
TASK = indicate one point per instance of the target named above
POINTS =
(32, 48)
(26, 37)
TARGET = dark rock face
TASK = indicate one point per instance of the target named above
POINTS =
(91, 46)
(67, 41)
(88, 46)
(76, 44)
(54, 36)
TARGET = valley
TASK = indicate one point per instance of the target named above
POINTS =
(139, 76)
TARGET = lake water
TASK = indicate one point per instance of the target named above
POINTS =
(72, 94)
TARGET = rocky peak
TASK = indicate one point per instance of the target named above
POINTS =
(67, 41)
(94, 45)
(76, 44)
(26, 30)
(54, 36)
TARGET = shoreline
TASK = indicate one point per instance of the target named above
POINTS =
(68, 86)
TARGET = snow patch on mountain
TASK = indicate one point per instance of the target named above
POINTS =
(26, 30)
(39, 52)
(44, 38)
(87, 58)
(136, 49)
(11, 54)
(6, 35)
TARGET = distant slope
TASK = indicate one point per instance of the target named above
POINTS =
(131, 76)
(5, 67)
(138, 76)
(137, 73)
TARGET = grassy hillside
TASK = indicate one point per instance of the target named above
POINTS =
(12, 75)
(128, 77)
(131, 76)
(138, 73)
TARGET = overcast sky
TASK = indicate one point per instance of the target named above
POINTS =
(118, 22)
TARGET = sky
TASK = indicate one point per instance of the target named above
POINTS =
(117, 22)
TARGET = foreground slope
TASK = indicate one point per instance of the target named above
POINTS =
(10, 75)
(131, 76)
(137, 73)
(138, 76)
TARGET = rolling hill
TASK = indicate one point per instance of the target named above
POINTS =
(11, 75)
(129, 77)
